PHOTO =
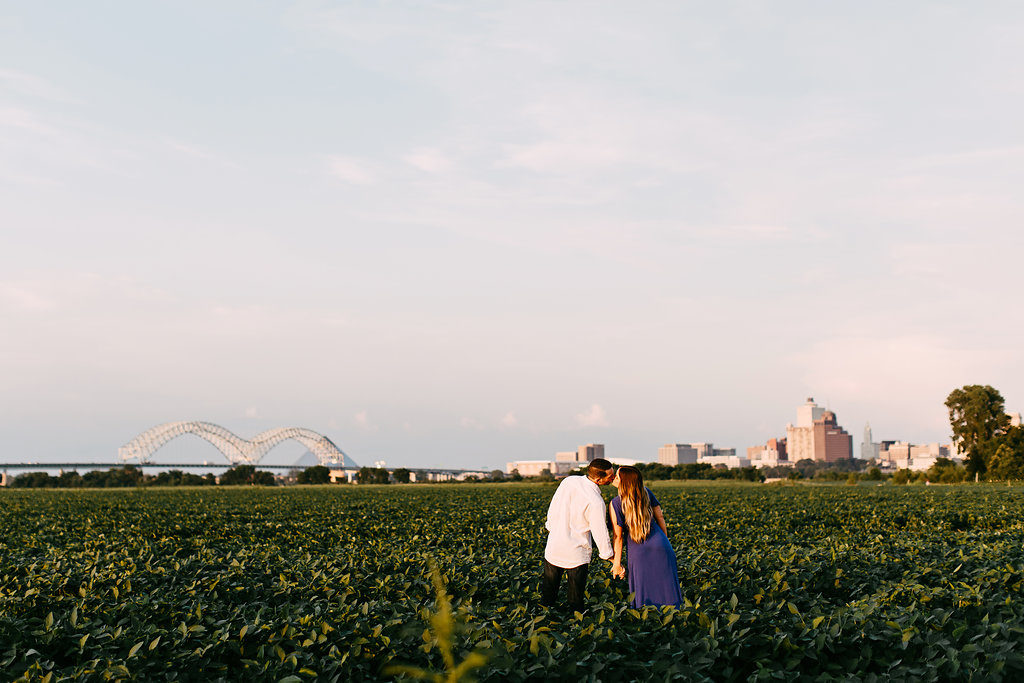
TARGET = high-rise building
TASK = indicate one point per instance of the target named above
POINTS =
(868, 448)
(591, 451)
(817, 436)
(808, 413)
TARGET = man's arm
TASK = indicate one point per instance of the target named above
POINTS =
(599, 528)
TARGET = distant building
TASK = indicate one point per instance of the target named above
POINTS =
(727, 459)
(342, 476)
(532, 468)
(902, 455)
(463, 476)
(707, 453)
(817, 436)
(1014, 419)
(672, 454)
(564, 462)
(809, 413)
(771, 454)
(868, 448)
(689, 453)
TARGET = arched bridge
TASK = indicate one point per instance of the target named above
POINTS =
(237, 450)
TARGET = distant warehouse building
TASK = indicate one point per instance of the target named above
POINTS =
(677, 454)
(532, 468)
(672, 454)
(726, 457)
(564, 462)
(689, 453)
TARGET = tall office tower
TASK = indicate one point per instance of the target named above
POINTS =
(591, 451)
(677, 454)
(868, 448)
(831, 442)
(808, 413)
(817, 436)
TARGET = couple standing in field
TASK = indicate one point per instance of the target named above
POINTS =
(577, 514)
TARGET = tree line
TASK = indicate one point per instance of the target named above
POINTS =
(130, 475)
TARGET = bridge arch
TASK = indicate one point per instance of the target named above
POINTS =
(237, 450)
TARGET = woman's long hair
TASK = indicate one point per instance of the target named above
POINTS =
(636, 504)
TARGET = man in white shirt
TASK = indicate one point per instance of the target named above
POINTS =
(577, 514)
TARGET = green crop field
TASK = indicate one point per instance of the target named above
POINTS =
(301, 583)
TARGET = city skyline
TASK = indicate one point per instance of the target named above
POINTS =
(809, 413)
(460, 235)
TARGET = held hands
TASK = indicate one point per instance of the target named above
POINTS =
(618, 571)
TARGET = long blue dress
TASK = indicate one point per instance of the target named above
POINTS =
(651, 566)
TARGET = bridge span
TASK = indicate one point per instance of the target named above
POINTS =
(237, 450)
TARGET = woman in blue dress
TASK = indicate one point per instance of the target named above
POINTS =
(636, 514)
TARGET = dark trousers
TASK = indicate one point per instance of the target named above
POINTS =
(551, 580)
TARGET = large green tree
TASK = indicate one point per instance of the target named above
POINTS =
(247, 474)
(372, 475)
(1007, 461)
(317, 474)
(978, 416)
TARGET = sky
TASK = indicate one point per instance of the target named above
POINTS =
(462, 233)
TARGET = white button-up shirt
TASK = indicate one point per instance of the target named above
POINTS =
(576, 513)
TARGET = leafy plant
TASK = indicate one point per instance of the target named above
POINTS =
(443, 633)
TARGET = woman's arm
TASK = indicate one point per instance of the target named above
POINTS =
(617, 570)
(660, 519)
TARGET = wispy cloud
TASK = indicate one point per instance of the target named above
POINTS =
(362, 421)
(17, 117)
(509, 420)
(30, 84)
(350, 170)
(429, 160)
(24, 297)
(594, 417)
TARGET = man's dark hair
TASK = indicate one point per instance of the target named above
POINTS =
(599, 468)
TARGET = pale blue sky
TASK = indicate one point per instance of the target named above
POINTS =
(464, 233)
